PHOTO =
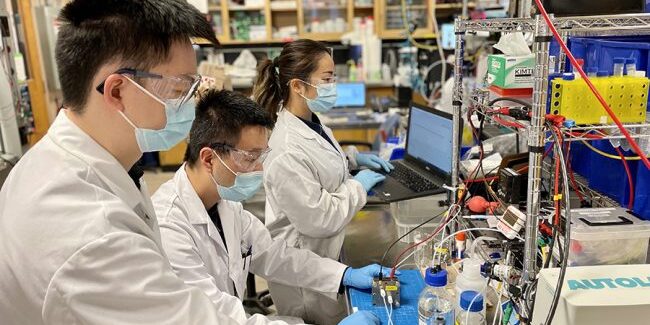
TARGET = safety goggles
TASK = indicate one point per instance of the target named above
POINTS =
(244, 159)
(178, 89)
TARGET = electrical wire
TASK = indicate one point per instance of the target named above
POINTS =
(567, 231)
(604, 154)
(585, 77)
(383, 258)
(438, 229)
(572, 177)
(437, 248)
(507, 123)
(630, 204)
(510, 99)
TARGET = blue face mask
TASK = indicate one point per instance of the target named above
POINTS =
(325, 100)
(179, 122)
(246, 185)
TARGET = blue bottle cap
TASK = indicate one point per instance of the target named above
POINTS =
(619, 60)
(436, 279)
(569, 123)
(568, 76)
(394, 140)
(630, 61)
(602, 74)
(466, 298)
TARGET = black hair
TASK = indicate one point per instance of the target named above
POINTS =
(220, 117)
(135, 33)
(298, 60)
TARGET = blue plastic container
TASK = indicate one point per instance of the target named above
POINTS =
(580, 159)
(642, 193)
(608, 175)
(600, 52)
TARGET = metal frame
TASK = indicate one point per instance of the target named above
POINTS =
(591, 25)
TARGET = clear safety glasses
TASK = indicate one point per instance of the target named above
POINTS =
(244, 159)
(177, 89)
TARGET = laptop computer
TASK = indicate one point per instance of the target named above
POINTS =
(426, 166)
(350, 96)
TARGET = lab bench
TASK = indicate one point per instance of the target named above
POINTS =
(371, 232)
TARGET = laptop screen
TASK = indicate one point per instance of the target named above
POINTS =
(429, 138)
(352, 94)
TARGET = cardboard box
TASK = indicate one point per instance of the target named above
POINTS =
(511, 72)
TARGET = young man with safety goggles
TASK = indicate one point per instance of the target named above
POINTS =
(211, 241)
(79, 239)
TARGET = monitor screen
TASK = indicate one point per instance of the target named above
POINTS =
(350, 94)
(429, 138)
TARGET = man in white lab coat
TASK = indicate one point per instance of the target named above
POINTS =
(211, 241)
(79, 240)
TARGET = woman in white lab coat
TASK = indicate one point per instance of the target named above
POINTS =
(311, 195)
(210, 240)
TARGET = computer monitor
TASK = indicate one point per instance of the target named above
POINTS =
(350, 95)
(429, 138)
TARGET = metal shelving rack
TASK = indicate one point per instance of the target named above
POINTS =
(637, 24)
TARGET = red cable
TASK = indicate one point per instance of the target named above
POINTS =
(507, 123)
(630, 205)
(572, 177)
(591, 86)
(556, 199)
(440, 227)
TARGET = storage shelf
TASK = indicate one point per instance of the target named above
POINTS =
(214, 8)
(414, 7)
(308, 8)
(637, 23)
(284, 9)
(453, 5)
(246, 8)
(362, 7)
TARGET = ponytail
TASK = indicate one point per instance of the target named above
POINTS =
(298, 60)
(267, 91)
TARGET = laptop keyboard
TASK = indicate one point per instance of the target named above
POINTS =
(411, 179)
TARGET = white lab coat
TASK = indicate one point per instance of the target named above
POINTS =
(310, 198)
(79, 244)
(198, 255)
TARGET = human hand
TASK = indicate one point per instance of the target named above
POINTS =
(369, 179)
(373, 162)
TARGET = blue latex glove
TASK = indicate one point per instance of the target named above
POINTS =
(362, 317)
(373, 162)
(369, 179)
(362, 278)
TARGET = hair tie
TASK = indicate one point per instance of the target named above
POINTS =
(276, 66)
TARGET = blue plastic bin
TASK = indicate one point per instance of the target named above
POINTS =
(580, 159)
(608, 175)
(600, 52)
(642, 193)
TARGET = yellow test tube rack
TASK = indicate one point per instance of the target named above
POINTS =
(626, 96)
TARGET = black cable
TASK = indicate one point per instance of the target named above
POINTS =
(567, 232)
(510, 99)
(383, 258)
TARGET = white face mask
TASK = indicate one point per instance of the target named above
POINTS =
(245, 186)
(325, 99)
(179, 122)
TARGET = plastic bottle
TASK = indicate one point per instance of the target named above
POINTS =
(469, 279)
(472, 312)
(460, 246)
(435, 304)
(630, 67)
(619, 64)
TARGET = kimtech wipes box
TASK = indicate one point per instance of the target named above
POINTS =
(511, 72)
